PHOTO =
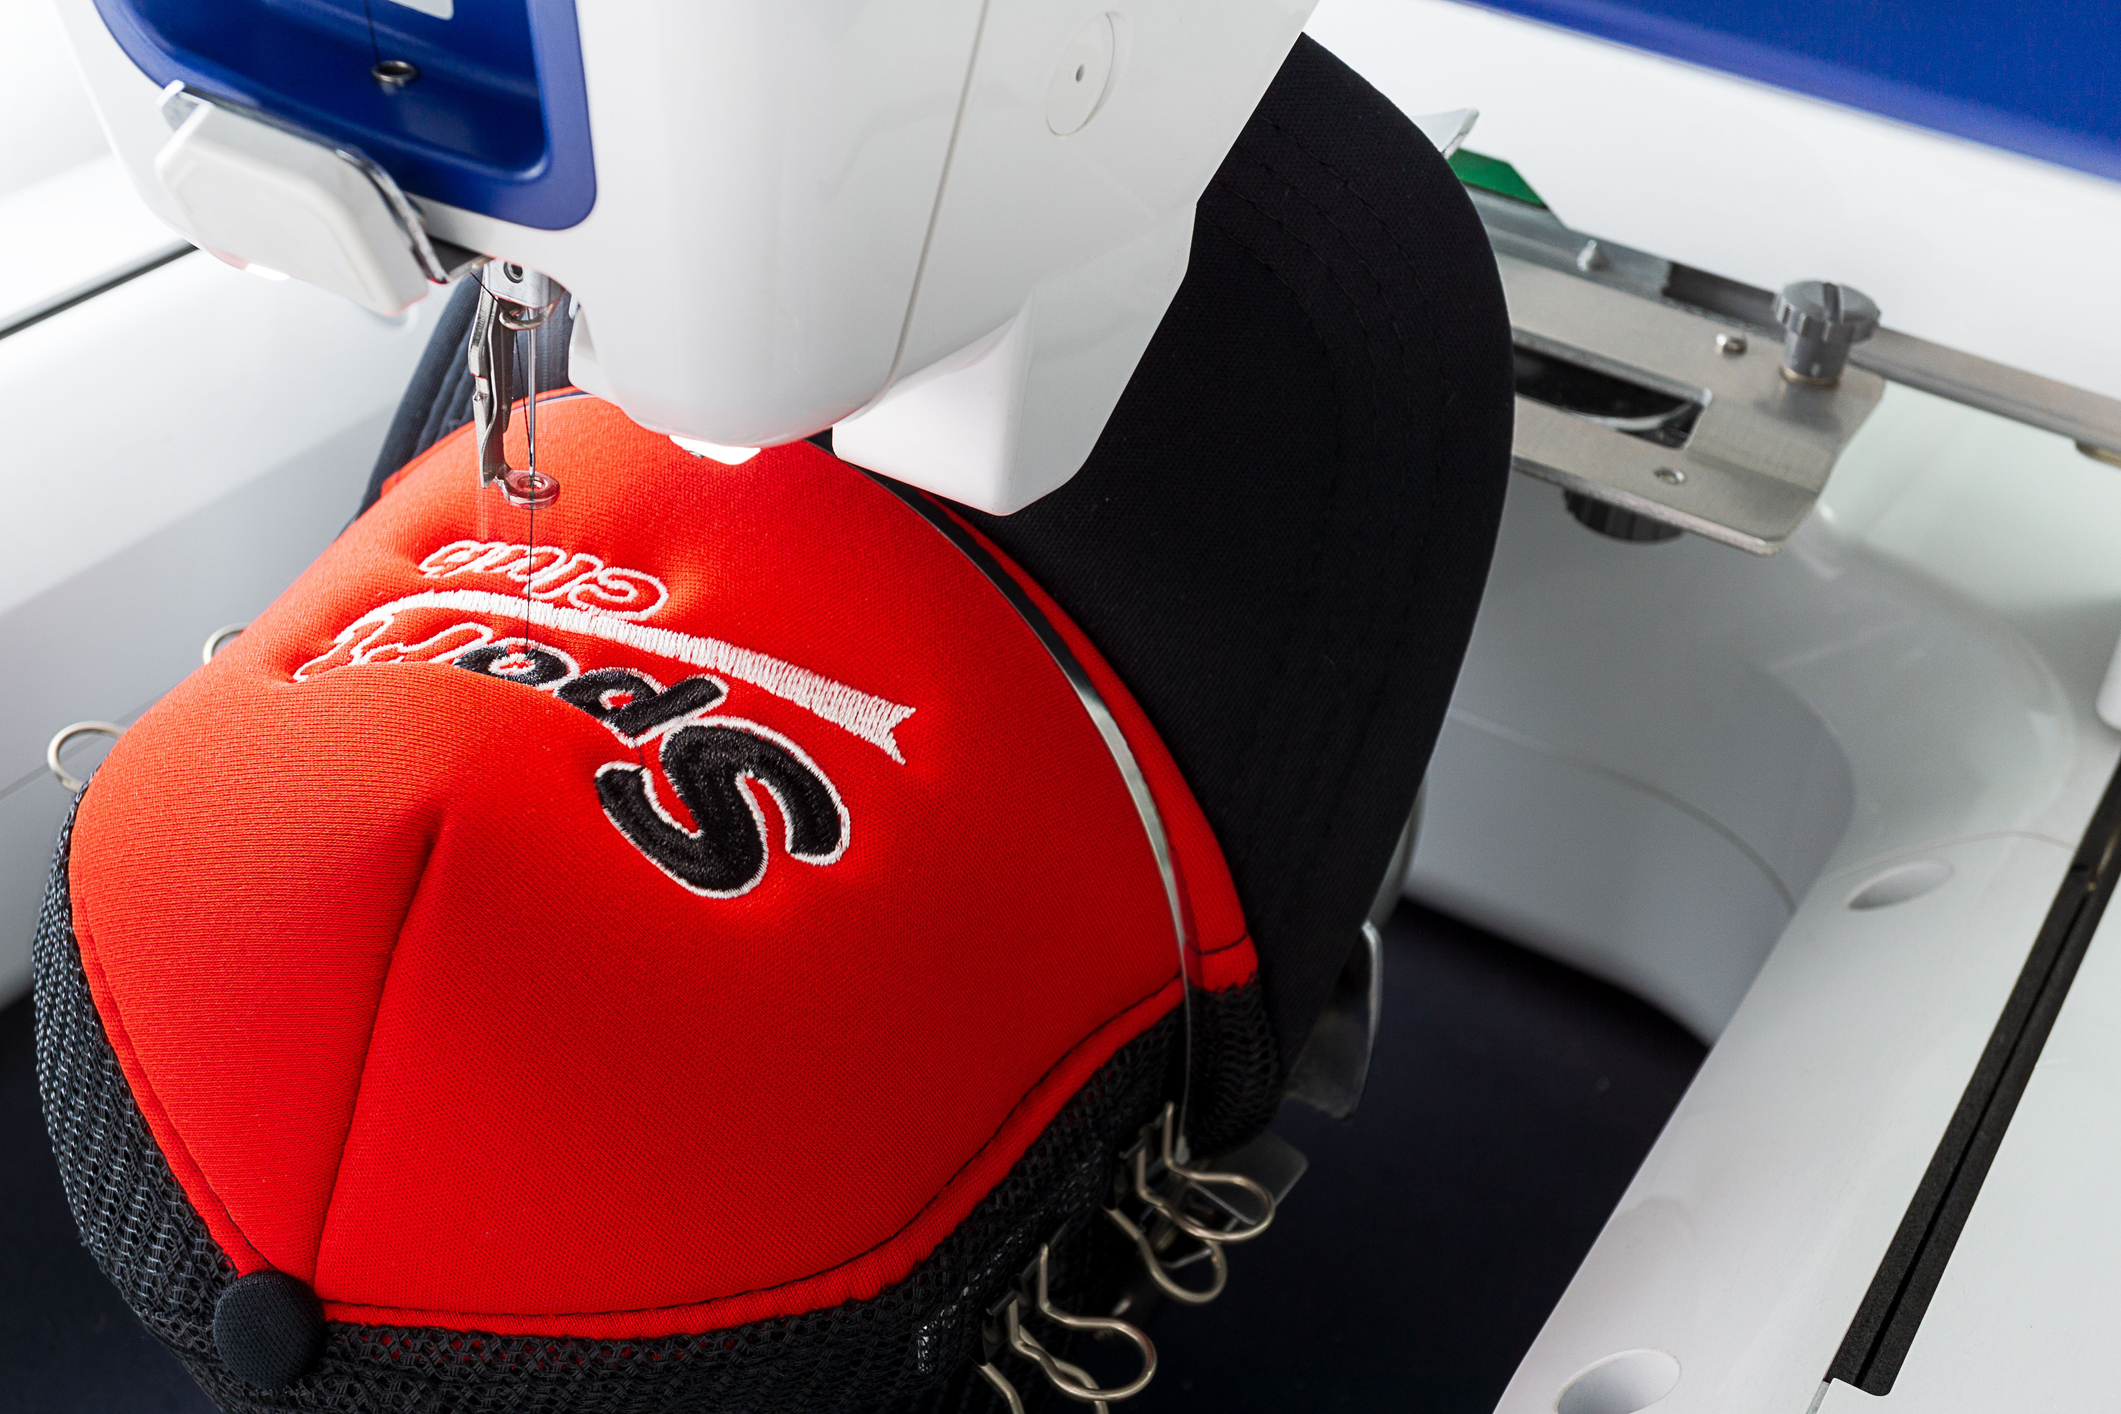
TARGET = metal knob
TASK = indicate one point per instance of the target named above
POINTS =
(1820, 323)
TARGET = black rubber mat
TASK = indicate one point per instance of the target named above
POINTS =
(1510, 1101)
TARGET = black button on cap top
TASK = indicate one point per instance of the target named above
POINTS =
(268, 1327)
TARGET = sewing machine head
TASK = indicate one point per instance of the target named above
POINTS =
(944, 229)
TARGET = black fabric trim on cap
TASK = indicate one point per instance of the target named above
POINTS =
(910, 1350)
(268, 1328)
(1281, 539)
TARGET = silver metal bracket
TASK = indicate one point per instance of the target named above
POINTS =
(1656, 409)
(512, 301)
(1748, 465)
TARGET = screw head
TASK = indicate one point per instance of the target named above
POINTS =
(1730, 345)
(1670, 475)
(1821, 322)
(394, 74)
(1830, 313)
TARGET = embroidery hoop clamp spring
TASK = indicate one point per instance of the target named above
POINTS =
(66, 734)
(1006, 1331)
(1205, 1183)
(1166, 1215)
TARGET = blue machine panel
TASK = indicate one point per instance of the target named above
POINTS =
(2033, 76)
(497, 121)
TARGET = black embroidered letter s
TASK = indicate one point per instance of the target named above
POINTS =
(706, 763)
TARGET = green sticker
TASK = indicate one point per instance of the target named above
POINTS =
(1492, 174)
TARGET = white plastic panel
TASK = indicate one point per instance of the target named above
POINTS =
(147, 509)
(1933, 641)
(2024, 1317)
(1597, 870)
(1750, 1234)
(292, 205)
(70, 232)
(46, 123)
(1840, 704)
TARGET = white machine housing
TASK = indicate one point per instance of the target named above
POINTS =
(944, 228)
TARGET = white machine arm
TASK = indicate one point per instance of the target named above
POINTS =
(946, 228)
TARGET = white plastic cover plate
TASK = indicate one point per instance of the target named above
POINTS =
(1082, 77)
(268, 197)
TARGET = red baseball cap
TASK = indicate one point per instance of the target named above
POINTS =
(731, 899)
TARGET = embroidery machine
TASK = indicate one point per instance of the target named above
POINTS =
(1839, 806)
(922, 263)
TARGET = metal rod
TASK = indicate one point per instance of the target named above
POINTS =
(2082, 416)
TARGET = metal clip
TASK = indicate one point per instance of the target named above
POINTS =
(1203, 1182)
(1160, 1271)
(512, 301)
(1070, 1380)
(66, 734)
(1003, 1388)
(493, 377)
(218, 637)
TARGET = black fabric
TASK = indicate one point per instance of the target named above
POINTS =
(912, 1348)
(1281, 539)
(268, 1328)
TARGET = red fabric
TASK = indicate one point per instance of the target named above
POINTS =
(416, 1022)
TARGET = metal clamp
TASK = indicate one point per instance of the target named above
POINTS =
(217, 638)
(513, 301)
(492, 356)
(66, 734)
(1161, 1271)
(1002, 1387)
(1006, 1331)
(1204, 1182)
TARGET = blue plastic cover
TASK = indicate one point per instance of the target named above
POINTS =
(2041, 77)
(497, 122)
